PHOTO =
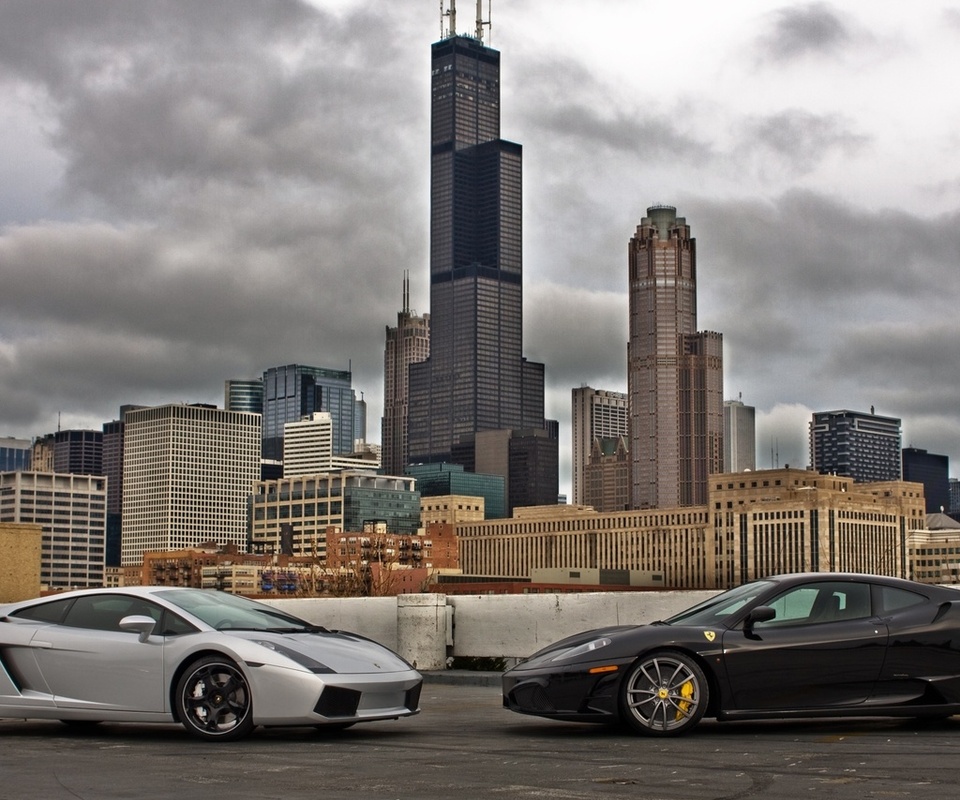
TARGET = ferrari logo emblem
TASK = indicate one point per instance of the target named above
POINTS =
(710, 635)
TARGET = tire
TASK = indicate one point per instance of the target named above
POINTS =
(665, 693)
(214, 701)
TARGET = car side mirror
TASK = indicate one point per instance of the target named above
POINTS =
(759, 614)
(138, 623)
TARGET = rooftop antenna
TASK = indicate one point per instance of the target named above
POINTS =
(481, 23)
(452, 13)
(406, 292)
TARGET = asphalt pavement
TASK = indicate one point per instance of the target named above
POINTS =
(464, 745)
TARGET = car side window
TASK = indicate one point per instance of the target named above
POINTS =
(44, 612)
(172, 625)
(816, 603)
(894, 599)
(103, 612)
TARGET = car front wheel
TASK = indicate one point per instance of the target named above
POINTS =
(664, 694)
(214, 701)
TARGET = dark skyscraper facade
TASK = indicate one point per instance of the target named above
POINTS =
(476, 378)
(933, 471)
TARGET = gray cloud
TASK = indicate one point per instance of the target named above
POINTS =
(797, 141)
(814, 29)
(210, 189)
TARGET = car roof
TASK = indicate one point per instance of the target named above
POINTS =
(862, 577)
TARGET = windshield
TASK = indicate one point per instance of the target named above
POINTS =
(223, 611)
(715, 610)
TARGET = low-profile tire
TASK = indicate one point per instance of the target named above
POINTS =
(664, 693)
(214, 701)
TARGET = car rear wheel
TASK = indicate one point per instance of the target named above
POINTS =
(214, 700)
(664, 694)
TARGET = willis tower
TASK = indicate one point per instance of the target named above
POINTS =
(476, 380)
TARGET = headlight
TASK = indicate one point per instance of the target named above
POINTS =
(300, 658)
(582, 649)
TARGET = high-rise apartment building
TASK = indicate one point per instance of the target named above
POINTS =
(739, 436)
(308, 445)
(597, 414)
(408, 343)
(188, 472)
(71, 511)
(932, 471)
(674, 372)
(476, 378)
(295, 391)
(308, 448)
(865, 447)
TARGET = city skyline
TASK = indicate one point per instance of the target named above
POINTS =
(196, 197)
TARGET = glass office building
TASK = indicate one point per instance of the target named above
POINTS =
(295, 391)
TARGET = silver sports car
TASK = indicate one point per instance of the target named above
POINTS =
(217, 663)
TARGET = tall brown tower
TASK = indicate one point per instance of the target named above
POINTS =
(674, 372)
(408, 343)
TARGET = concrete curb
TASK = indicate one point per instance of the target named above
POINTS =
(463, 677)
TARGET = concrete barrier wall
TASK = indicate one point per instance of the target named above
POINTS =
(426, 629)
(514, 626)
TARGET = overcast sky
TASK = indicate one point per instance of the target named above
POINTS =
(195, 191)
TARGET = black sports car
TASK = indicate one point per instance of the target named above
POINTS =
(808, 645)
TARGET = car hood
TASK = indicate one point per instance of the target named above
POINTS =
(339, 651)
(618, 635)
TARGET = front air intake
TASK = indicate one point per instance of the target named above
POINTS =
(336, 701)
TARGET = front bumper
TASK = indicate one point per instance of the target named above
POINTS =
(287, 697)
(567, 693)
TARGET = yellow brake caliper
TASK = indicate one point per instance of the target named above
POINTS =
(686, 691)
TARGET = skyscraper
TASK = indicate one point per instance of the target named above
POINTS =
(674, 372)
(408, 343)
(865, 447)
(932, 471)
(476, 378)
(295, 391)
(739, 436)
(597, 414)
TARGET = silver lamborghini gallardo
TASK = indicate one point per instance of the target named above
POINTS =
(217, 663)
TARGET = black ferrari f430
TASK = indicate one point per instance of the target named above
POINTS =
(807, 645)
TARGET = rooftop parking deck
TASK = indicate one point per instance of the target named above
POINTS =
(465, 745)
